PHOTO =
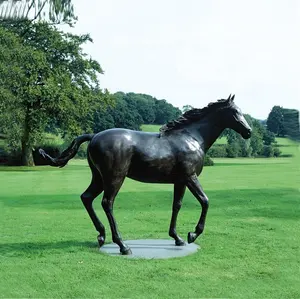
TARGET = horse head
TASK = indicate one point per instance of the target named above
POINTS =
(233, 118)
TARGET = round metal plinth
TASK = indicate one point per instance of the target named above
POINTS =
(151, 249)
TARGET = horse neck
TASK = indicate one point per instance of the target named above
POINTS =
(206, 131)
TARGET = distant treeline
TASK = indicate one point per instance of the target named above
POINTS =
(131, 110)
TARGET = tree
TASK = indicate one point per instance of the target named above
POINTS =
(144, 105)
(233, 147)
(125, 113)
(291, 123)
(275, 120)
(103, 120)
(262, 141)
(186, 108)
(165, 112)
(55, 11)
(46, 78)
(131, 110)
(268, 137)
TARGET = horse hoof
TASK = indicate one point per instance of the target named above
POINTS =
(126, 251)
(101, 240)
(191, 237)
(180, 242)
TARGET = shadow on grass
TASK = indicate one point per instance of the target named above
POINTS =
(29, 248)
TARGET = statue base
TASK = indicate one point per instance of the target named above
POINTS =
(151, 249)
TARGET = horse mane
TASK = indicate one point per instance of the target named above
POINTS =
(195, 114)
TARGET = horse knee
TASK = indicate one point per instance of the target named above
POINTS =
(106, 205)
(86, 198)
(205, 202)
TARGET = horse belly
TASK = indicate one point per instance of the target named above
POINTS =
(152, 170)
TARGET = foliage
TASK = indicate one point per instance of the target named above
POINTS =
(284, 122)
(131, 110)
(55, 11)
(165, 112)
(186, 108)
(208, 161)
(268, 137)
(218, 151)
(291, 123)
(275, 121)
(277, 151)
(43, 79)
(103, 119)
(145, 105)
(125, 112)
(261, 143)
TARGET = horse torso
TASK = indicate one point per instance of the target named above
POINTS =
(147, 157)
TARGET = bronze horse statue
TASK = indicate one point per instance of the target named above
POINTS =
(173, 156)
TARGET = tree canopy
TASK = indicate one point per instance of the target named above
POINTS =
(55, 11)
(131, 110)
(46, 77)
(275, 121)
(284, 122)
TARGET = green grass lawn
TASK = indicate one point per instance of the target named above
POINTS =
(150, 128)
(250, 248)
(287, 147)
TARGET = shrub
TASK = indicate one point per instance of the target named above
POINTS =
(277, 152)
(10, 159)
(232, 150)
(268, 151)
(218, 151)
(208, 161)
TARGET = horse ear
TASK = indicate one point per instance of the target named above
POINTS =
(232, 98)
(229, 98)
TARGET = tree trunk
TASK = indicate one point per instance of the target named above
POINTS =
(27, 158)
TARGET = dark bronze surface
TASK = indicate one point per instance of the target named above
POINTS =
(173, 156)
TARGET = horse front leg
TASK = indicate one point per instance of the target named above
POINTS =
(196, 189)
(179, 190)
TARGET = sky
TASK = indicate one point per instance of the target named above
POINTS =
(195, 52)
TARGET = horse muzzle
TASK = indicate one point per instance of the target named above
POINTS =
(247, 134)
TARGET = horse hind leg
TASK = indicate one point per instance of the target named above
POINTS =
(179, 190)
(87, 198)
(111, 190)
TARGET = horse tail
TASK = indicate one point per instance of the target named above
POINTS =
(67, 154)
